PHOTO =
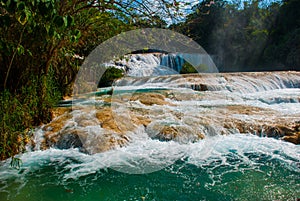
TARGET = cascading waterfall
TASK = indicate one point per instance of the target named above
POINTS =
(170, 137)
(173, 61)
(157, 64)
(201, 62)
(141, 65)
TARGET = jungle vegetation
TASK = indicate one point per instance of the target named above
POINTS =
(42, 43)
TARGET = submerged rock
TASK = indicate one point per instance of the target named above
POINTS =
(67, 141)
(106, 120)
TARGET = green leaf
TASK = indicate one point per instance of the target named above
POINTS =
(77, 33)
(21, 6)
(59, 21)
(57, 35)
(65, 21)
(70, 20)
(22, 18)
(75, 36)
(20, 50)
(8, 3)
(51, 31)
(29, 52)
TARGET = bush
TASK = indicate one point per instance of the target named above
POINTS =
(109, 76)
(23, 110)
(187, 68)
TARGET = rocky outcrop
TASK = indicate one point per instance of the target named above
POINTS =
(150, 99)
(295, 138)
(107, 121)
(181, 115)
(90, 130)
(180, 133)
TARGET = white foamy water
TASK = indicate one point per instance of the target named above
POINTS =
(214, 106)
(157, 64)
(232, 82)
(141, 65)
(147, 155)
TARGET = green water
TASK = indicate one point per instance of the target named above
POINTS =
(227, 175)
(174, 183)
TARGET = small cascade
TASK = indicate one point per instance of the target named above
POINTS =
(201, 62)
(173, 61)
(142, 65)
(232, 82)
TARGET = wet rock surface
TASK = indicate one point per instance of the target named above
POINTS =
(182, 115)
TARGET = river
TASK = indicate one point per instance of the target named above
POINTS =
(169, 137)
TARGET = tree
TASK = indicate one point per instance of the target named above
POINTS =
(40, 41)
(240, 36)
(284, 45)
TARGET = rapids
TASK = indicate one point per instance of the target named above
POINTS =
(218, 136)
(235, 167)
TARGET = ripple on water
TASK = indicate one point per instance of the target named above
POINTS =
(235, 167)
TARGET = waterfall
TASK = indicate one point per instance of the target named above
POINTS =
(201, 62)
(157, 64)
(142, 65)
(193, 129)
(173, 61)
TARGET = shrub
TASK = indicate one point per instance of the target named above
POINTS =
(187, 68)
(109, 76)
(22, 110)
(13, 122)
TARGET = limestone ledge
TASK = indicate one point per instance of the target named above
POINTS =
(97, 129)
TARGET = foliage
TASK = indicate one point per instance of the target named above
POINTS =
(247, 37)
(41, 46)
(21, 111)
(42, 43)
(284, 42)
(109, 76)
(11, 139)
(187, 68)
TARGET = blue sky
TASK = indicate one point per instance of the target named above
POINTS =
(158, 7)
(186, 6)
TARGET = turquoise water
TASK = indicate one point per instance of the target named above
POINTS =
(237, 167)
